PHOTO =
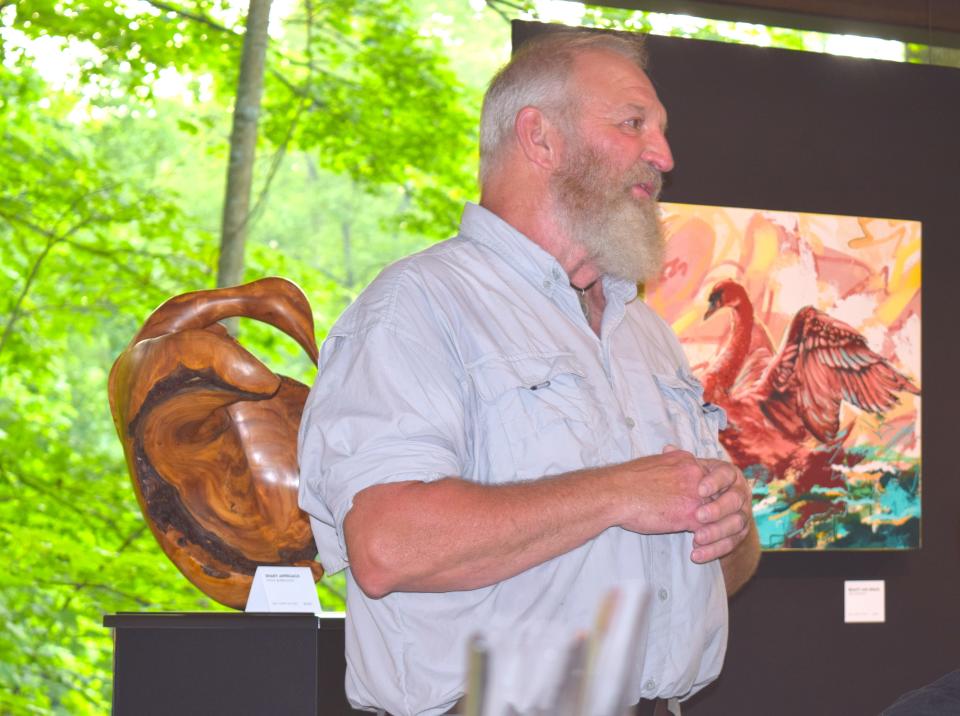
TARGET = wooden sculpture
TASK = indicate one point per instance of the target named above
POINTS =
(210, 432)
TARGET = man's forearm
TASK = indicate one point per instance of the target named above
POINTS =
(738, 566)
(453, 534)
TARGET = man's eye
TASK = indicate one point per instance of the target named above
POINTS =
(634, 122)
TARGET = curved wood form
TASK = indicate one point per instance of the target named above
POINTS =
(210, 436)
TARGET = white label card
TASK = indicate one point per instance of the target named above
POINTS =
(864, 601)
(283, 589)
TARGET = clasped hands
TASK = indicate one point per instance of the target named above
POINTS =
(676, 492)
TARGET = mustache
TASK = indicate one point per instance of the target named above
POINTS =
(649, 177)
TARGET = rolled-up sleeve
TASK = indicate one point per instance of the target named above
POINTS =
(385, 407)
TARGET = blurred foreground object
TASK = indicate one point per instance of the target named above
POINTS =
(941, 698)
(210, 436)
(541, 668)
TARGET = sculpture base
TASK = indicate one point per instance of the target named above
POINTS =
(227, 663)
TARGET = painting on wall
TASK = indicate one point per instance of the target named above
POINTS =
(805, 328)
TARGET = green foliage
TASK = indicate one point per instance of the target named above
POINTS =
(87, 245)
(351, 81)
(128, 45)
(369, 97)
(109, 204)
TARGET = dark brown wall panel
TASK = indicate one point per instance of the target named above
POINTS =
(777, 129)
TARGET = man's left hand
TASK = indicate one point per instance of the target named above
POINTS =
(725, 515)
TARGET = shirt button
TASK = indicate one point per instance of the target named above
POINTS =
(650, 685)
(546, 283)
(631, 423)
(663, 594)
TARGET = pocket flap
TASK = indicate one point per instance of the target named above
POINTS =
(681, 382)
(501, 374)
(688, 390)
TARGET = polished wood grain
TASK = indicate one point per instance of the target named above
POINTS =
(210, 432)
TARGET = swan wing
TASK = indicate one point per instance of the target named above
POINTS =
(823, 363)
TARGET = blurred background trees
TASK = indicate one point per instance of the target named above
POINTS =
(115, 119)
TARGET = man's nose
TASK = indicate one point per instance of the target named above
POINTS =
(657, 153)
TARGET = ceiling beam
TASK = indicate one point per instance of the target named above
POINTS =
(929, 22)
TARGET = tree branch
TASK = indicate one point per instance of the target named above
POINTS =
(85, 515)
(79, 586)
(196, 17)
(493, 6)
(36, 228)
(111, 256)
(132, 537)
(52, 239)
(302, 102)
(516, 6)
(336, 592)
(330, 275)
(18, 304)
(243, 148)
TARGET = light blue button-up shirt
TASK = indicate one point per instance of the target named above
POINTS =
(473, 359)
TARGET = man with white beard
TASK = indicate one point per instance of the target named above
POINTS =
(501, 430)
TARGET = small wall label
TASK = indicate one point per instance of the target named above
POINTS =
(864, 601)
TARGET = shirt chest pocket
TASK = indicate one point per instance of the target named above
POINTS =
(535, 415)
(695, 424)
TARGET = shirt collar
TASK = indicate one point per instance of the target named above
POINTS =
(527, 258)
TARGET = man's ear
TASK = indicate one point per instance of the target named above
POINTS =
(539, 139)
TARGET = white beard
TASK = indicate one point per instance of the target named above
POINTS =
(622, 234)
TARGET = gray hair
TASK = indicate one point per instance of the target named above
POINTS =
(536, 76)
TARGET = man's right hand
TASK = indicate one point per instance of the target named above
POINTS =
(677, 492)
(661, 492)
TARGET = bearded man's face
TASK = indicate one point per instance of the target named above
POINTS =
(601, 210)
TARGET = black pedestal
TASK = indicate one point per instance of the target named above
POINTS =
(222, 663)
